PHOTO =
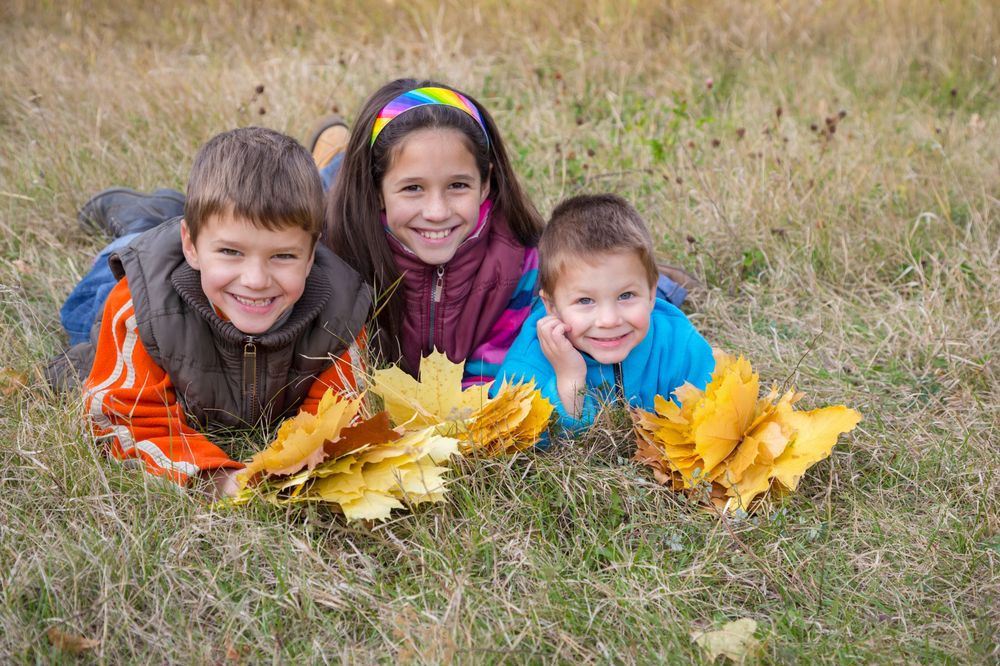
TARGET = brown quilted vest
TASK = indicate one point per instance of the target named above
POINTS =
(223, 377)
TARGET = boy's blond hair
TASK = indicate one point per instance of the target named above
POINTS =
(589, 224)
(256, 174)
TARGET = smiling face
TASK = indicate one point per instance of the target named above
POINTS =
(606, 302)
(251, 274)
(432, 192)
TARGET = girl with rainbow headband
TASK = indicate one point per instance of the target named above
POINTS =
(426, 207)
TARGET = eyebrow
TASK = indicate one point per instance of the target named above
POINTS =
(240, 245)
(418, 179)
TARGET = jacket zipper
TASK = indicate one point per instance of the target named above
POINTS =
(250, 378)
(436, 292)
(620, 385)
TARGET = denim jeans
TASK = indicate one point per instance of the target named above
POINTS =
(86, 301)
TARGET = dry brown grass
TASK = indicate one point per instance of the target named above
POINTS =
(860, 263)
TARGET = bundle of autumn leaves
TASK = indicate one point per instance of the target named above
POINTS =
(366, 466)
(731, 447)
(724, 445)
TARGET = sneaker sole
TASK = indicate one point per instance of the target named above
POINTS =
(92, 221)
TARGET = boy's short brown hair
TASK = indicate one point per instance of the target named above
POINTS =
(256, 174)
(590, 224)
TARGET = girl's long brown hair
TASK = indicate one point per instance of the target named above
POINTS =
(354, 228)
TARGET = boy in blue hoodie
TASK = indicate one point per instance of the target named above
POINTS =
(600, 334)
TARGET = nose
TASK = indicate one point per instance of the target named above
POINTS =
(436, 208)
(255, 275)
(608, 316)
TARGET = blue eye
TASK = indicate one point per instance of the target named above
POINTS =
(229, 252)
(585, 301)
(626, 296)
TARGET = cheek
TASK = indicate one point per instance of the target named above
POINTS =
(294, 282)
(211, 281)
(640, 317)
(395, 212)
(576, 322)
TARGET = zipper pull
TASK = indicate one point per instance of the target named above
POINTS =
(249, 368)
(438, 285)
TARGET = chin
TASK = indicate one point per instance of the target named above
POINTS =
(609, 359)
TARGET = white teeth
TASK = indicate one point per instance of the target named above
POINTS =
(253, 302)
(435, 235)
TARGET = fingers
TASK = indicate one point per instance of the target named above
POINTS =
(552, 335)
(557, 348)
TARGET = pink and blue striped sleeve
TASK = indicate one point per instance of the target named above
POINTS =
(484, 361)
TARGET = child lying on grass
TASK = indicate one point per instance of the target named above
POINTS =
(231, 317)
(600, 333)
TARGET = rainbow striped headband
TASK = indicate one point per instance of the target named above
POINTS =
(424, 97)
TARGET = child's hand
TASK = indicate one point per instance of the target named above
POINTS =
(566, 360)
(222, 482)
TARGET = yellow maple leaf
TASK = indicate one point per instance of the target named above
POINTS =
(436, 397)
(815, 434)
(511, 421)
(741, 445)
(300, 439)
(372, 480)
(725, 411)
(734, 640)
(372, 505)
(536, 420)
(364, 470)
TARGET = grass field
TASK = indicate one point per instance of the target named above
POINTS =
(835, 185)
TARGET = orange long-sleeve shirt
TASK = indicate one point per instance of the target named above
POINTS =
(132, 404)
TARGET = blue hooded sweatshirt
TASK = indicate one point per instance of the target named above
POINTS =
(672, 353)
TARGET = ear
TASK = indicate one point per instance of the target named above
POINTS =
(187, 245)
(550, 307)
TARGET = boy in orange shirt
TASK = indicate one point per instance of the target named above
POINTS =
(232, 317)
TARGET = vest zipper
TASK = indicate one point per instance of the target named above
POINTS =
(436, 292)
(250, 378)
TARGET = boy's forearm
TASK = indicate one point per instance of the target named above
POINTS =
(570, 388)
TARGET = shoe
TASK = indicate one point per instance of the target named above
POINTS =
(676, 284)
(327, 139)
(119, 210)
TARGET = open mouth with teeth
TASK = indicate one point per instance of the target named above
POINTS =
(253, 302)
(435, 234)
(608, 342)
